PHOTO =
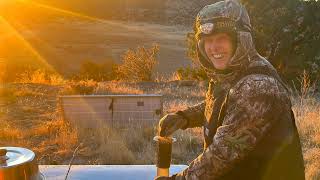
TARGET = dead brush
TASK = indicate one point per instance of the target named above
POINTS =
(7, 94)
(138, 65)
(167, 78)
(312, 163)
(40, 76)
(187, 147)
(9, 133)
(117, 88)
(306, 107)
(105, 144)
(24, 92)
(175, 105)
(79, 87)
(56, 141)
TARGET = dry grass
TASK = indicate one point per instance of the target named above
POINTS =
(8, 132)
(54, 140)
(41, 76)
(175, 105)
(308, 122)
(306, 108)
(48, 139)
(171, 77)
(79, 87)
(7, 94)
(312, 163)
(117, 88)
(93, 87)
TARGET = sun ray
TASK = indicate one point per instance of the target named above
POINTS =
(25, 43)
(37, 40)
(61, 10)
(77, 14)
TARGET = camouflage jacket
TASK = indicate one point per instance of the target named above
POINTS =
(249, 130)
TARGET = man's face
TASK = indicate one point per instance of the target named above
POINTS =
(219, 49)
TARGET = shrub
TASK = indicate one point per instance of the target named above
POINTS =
(40, 76)
(80, 87)
(189, 73)
(96, 72)
(138, 65)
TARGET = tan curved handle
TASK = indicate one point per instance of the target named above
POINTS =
(3, 157)
(3, 152)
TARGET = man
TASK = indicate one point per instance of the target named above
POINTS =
(249, 127)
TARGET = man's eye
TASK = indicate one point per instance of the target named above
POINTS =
(208, 40)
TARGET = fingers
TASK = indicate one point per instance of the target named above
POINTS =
(164, 124)
(169, 124)
(162, 132)
(170, 130)
(166, 130)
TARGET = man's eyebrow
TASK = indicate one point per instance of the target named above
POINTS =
(223, 36)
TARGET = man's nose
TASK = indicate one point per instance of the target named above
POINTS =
(214, 47)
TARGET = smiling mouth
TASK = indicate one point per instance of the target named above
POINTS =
(217, 56)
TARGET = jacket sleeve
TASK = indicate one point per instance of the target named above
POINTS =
(251, 103)
(194, 115)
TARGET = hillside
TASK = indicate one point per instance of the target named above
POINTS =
(64, 39)
(168, 12)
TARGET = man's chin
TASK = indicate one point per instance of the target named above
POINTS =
(220, 66)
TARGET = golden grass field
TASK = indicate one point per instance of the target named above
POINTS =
(30, 117)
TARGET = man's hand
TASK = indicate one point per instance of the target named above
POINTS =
(170, 123)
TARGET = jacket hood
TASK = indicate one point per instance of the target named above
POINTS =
(208, 22)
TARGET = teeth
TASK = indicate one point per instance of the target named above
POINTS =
(217, 56)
